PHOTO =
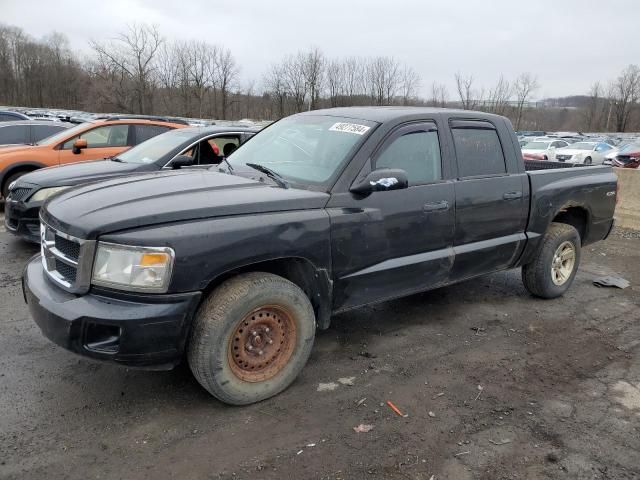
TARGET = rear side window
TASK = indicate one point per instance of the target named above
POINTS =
(14, 134)
(417, 153)
(479, 152)
(40, 132)
(145, 132)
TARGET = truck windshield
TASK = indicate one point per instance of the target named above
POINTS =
(305, 149)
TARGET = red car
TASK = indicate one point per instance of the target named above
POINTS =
(627, 160)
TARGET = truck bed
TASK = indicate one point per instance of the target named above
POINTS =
(531, 165)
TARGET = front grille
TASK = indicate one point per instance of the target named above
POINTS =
(20, 193)
(67, 271)
(67, 260)
(68, 247)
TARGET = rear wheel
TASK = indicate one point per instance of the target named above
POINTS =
(251, 338)
(553, 270)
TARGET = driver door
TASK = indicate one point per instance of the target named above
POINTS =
(391, 243)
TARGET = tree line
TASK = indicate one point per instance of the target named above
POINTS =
(141, 72)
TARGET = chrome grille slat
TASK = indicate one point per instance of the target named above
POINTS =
(67, 260)
(20, 193)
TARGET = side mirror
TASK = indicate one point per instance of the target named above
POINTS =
(78, 145)
(181, 161)
(381, 180)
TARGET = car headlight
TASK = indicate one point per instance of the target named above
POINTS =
(141, 269)
(45, 193)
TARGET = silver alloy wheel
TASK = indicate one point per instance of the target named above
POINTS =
(564, 259)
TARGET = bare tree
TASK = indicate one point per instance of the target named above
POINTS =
(524, 87)
(410, 85)
(383, 79)
(499, 96)
(626, 91)
(313, 70)
(439, 95)
(133, 53)
(464, 86)
(227, 76)
(335, 80)
(592, 111)
(293, 69)
(276, 86)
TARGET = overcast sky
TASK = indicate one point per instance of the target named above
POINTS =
(568, 44)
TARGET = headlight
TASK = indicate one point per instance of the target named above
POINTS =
(45, 193)
(141, 269)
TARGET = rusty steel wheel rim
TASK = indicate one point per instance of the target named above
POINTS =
(262, 343)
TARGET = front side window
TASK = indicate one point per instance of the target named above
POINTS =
(478, 151)
(101, 137)
(417, 153)
(305, 149)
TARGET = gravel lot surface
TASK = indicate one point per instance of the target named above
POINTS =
(494, 384)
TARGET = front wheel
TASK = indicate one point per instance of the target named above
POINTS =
(588, 161)
(553, 270)
(251, 338)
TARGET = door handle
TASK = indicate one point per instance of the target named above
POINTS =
(435, 206)
(512, 195)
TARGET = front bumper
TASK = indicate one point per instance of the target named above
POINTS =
(142, 331)
(22, 219)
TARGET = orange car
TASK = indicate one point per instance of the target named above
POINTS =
(92, 140)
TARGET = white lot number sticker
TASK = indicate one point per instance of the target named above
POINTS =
(349, 128)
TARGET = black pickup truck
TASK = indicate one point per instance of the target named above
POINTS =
(235, 267)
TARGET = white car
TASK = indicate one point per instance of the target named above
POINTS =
(588, 153)
(542, 149)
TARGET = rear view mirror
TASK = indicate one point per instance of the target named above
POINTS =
(381, 180)
(181, 161)
(78, 145)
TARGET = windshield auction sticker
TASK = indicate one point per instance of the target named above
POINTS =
(349, 128)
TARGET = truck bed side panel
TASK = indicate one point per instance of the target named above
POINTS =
(588, 188)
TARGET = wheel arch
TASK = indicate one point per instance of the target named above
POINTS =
(576, 216)
(315, 282)
(25, 166)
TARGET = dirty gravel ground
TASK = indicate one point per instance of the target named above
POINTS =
(560, 392)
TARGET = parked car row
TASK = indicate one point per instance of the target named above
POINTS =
(200, 245)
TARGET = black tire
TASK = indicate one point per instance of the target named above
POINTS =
(537, 275)
(220, 321)
(588, 161)
(8, 181)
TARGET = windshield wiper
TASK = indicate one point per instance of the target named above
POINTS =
(275, 176)
(224, 159)
(115, 159)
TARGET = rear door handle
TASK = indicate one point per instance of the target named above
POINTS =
(435, 206)
(512, 195)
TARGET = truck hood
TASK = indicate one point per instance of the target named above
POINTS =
(161, 197)
(82, 172)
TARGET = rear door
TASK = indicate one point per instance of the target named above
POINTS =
(103, 141)
(392, 243)
(491, 199)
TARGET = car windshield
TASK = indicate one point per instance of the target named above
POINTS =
(156, 147)
(64, 134)
(582, 146)
(537, 145)
(304, 149)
